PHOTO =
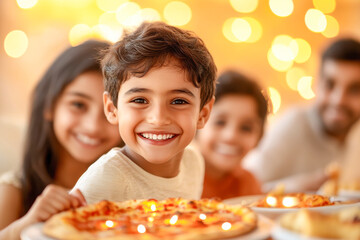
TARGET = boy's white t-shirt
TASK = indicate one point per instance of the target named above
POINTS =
(115, 177)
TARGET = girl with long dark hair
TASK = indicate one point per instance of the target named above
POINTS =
(67, 132)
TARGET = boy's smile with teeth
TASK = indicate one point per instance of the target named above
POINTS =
(225, 149)
(157, 137)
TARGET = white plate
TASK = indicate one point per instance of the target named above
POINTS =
(263, 231)
(280, 233)
(274, 213)
(350, 194)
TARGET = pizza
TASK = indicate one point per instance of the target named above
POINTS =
(173, 218)
(293, 200)
(344, 224)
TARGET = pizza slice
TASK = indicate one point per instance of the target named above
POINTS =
(344, 224)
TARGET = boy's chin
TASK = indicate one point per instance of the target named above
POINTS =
(157, 160)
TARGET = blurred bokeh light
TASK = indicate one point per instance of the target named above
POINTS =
(277, 64)
(241, 29)
(304, 52)
(109, 5)
(315, 20)
(126, 14)
(256, 29)
(325, 6)
(26, 3)
(227, 30)
(244, 6)
(15, 43)
(275, 99)
(293, 76)
(332, 27)
(177, 13)
(79, 33)
(281, 8)
(304, 87)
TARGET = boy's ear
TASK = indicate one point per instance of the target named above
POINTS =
(110, 109)
(205, 113)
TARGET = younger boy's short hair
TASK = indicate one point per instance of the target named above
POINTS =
(153, 45)
(232, 82)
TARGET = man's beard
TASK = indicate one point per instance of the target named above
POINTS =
(337, 128)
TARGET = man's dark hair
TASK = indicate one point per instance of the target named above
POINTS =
(345, 49)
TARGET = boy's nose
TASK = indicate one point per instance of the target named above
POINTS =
(230, 134)
(158, 115)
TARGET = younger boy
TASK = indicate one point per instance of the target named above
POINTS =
(159, 87)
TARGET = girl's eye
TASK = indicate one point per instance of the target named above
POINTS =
(139, 100)
(78, 105)
(179, 101)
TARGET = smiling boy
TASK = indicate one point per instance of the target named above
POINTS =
(159, 87)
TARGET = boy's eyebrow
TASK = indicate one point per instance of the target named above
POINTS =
(79, 94)
(136, 90)
(185, 91)
(182, 90)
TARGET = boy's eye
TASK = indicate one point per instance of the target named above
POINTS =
(139, 100)
(220, 123)
(179, 101)
(246, 128)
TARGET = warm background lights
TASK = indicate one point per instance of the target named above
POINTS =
(79, 33)
(332, 27)
(304, 87)
(256, 29)
(15, 43)
(275, 99)
(228, 30)
(26, 3)
(281, 8)
(304, 52)
(326, 6)
(125, 13)
(293, 76)
(241, 29)
(109, 5)
(315, 20)
(177, 13)
(244, 6)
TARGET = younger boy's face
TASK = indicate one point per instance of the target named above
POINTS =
(158, 115)
(234, 128)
